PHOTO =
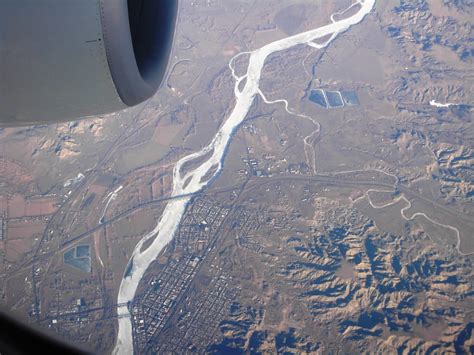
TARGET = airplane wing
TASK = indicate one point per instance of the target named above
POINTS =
(65, 59)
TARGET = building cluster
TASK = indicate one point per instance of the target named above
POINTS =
(72, 308)
(151, 311)
(193, 242)
(245, 222)
(198, 318)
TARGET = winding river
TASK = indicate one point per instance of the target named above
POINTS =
(191, 182)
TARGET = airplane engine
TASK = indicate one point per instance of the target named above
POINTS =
(65, 59)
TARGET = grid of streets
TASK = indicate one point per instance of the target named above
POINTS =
(195, 237)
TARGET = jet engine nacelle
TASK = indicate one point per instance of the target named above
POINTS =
(65, 59)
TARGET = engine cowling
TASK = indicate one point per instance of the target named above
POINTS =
(65, 59)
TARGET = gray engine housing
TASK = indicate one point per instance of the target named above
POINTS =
(65, 59)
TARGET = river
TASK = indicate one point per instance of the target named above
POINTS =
(191, 181)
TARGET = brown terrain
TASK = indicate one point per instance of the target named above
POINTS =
(342, 229)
